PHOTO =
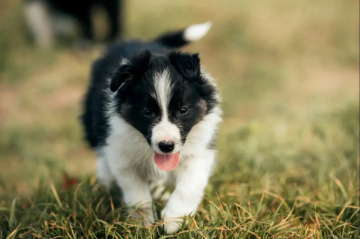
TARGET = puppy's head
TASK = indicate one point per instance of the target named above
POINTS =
(163, 97)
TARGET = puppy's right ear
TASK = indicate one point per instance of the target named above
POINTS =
(131, 70)
(186, 64)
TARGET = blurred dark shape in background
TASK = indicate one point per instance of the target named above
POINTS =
(49, 19)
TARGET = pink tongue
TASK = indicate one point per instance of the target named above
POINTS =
(166, 162)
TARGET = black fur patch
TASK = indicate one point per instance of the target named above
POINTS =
(131, 71)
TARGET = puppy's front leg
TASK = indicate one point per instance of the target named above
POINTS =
(136, 192)
(188, 192)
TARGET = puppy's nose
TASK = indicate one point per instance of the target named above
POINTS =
(166, 146)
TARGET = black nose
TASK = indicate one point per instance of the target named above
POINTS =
(166, 146)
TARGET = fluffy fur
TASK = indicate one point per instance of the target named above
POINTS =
(145, 93)
(47, 18)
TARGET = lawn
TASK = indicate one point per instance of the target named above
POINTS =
(288, 146)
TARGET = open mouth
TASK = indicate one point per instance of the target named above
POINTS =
(166, 162)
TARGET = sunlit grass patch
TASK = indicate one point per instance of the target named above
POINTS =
(272, 181)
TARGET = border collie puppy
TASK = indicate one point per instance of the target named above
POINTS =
(46, 18)
(151, 114)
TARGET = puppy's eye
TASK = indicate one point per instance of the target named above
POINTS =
(147, 113)
(184, 110)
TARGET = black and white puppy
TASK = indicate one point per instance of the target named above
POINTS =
(151, 113)
(48, 18)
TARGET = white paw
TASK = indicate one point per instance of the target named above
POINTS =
(172, 224)
(146, 214)
(148, 221)
(172, 227)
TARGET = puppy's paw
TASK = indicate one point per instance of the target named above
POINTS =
(148, 220)
(146, 214)
(172, 222)
(172, 226)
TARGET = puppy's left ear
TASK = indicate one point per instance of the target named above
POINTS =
(134, 68)
(186, 64)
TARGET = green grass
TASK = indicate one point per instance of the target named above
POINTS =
(271, 182)
(288, 146)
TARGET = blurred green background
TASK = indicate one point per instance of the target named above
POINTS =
(288, 72)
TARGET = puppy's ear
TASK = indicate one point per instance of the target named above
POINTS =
(186, 64)
(135, 67)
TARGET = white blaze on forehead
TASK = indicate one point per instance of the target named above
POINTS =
(163, 90)
(164, 130)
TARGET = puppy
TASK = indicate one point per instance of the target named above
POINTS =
(46, 18)
(151, 113)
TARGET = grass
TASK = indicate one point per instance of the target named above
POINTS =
(277, 187)
(288, 147)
